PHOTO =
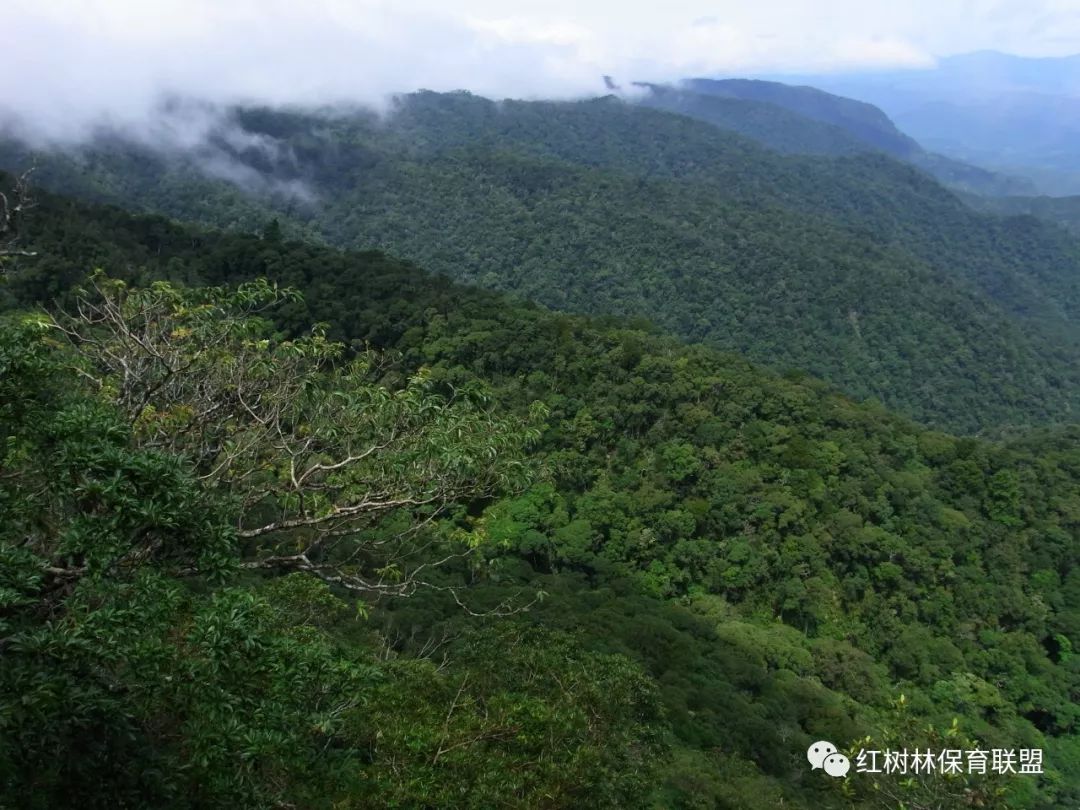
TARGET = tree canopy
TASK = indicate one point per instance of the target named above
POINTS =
(857, 268)
(720, 564)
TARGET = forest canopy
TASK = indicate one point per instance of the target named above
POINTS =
(635, 572)
(855, 267)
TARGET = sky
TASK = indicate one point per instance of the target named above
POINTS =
(68, 65)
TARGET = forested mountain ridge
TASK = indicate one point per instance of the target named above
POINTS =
(744, 563)
(805, 120)
(863, 121)
(1010, 113)
(1064, 211)
(767, 123)
(859, 269)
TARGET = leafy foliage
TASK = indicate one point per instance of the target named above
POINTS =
(856, 268)
(520, 734)
(736, 563)
(309, 451)
(140, 669)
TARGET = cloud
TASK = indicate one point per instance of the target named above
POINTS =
(72, 65)
(83, 64)
(881, 53)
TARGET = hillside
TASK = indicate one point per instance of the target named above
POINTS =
(822, 123)
(744, 563)
(764, 121)
(1064, 211)
(859, 269)
(1009, 113)
(864, 122)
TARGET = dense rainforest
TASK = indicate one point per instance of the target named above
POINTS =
(855, 267)
(808, 121)
(1064, 211)
(286, 526)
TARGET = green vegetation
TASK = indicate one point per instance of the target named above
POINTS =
(730, 563)
(862, 121)
(1064, 211)
(144, 666)
(764, 120)
(859, 269)
(805, 120)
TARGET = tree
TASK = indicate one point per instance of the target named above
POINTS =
(14, 203)
(128, 682)
(306, 446)
(272, 232)
(552, 725)
(926, 790)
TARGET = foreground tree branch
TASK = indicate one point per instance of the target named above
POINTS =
(312, 453)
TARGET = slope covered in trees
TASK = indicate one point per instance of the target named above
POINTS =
(735, 563)
(144, 666)
(761, 120)
(859, 269)
(996, 109)
(805, 120)
(1064, 211)
(861, 120)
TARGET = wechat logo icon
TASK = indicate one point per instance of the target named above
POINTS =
(823, 754)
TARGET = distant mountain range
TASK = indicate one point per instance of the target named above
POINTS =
(1009, 113)
(1064, 211)
(805, 120)
(845, 262)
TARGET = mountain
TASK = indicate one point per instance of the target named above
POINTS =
(1054, 75)
(1008, 113)
(736, 563)
(844, 126)
(1064, 211)
(981, 76)
(769, 124)
(859, 268)
(866, 123)
(1037, 134)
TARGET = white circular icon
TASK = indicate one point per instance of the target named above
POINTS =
(837, 765)
(817, 752)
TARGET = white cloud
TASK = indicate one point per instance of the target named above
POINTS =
(68, 63)
(880, 53)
